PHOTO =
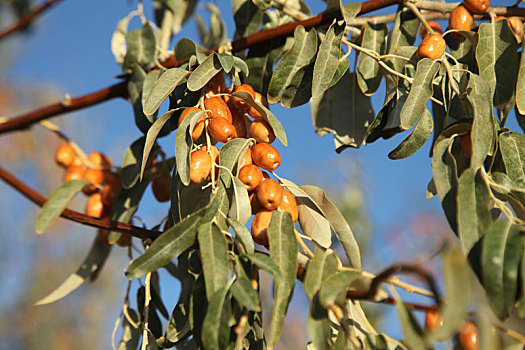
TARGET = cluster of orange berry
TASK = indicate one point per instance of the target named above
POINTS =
(105, 184)
(228, 117)
(433, 45)
(467, 337)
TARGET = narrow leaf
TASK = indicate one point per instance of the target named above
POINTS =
(420, 92)
(520, 86)
(244, 293)
(323, 265)
(57, 202)
(183, 145)
(334, 286)
(244, 235)
(266, 263)
(162, 88)
(214, 252)
(416, 139)
(204, 72)
(212, 320)
(369, 72)
(327, 59)
(167, 246)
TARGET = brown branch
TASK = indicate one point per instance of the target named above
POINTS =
(27, 19)
(418, 307)
(75, 216)
(67, 105)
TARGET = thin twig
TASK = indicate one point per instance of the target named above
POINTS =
(27, 19)
(147, 285)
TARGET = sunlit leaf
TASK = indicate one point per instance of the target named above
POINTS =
(301, 54)
(166, 247)
(141, 47)
(327, 59)
(183, 145)
(204, 72)
(240, 208)
(324, 264)
(132, 162)
(283, 250)
(334, 286)
(266, 263)
(349, 10)
(420, 92)
(512, 146)
(520, 86)
(162, 88)
(243, 234)
(214, 252)
(497, 59)
(57, 202)
(369, 73)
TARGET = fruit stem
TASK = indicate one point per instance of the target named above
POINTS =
(418, 14)
(303, 245)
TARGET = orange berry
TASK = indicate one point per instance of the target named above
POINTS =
(239, 103)
(434, 25)
(200, 166)
(227, 98)
(218, 108)
(289, 204)
(460, 19)
(221, 129)
(161, 187)
(269, 193)
(65, 155)
(254, 203)
(239, 124)
(261, 131)
(96, 177)
(260, 224)
(468, 336)
(216, 85)
(266, 156)
(214, 153)
(199, 126)
(251, 175)
(246, 159)
(254, 113)
(432, 46)
(74, 172)
(99, 160)
(476, 6)
(432, 321)
(95, 207)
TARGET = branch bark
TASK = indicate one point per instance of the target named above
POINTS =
(27, 19)
(75, 216)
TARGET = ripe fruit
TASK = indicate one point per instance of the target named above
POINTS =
(218, 108)
(246, 159)
(239, 123)
(221, 129)
(96, 177)
(239, 103)
(112, 178)
(266, 156)
(432, 321)
(161, 187)
(260, 224)
(214, 153)
(460, 19)
(94, 206)
(432, 46)
(261, 131)
(289, 204)
(74, 172)
(99, 160)
(216, 85)
(269, 194)
(200, 166)
(199, 126)
(434, 25)
(260, 99)
(476, 6)
(468, 336)
(65, 155)
(251, 175)
(110, 193)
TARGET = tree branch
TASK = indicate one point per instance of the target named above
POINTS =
(27, 19)
(75, 216)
